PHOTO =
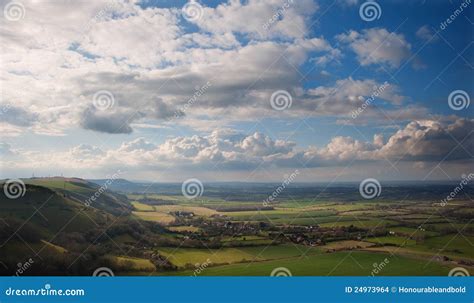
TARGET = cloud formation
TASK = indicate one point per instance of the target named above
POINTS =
(193, 82)
(378, 46)
(422, 141)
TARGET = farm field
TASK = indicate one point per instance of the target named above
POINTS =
(336, 264)
(232, 233)
(189, 257)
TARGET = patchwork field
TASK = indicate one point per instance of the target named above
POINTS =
(189, 257)
(167, 234)
(336, 264)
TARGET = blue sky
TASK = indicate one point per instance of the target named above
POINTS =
(166, 90)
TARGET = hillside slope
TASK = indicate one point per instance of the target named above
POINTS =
(86, 193)
(51, 225)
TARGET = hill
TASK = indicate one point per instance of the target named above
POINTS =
(52, 224)
(86, 193)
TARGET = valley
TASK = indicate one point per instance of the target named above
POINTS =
(309, 230)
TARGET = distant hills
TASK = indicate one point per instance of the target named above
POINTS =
(337, 191)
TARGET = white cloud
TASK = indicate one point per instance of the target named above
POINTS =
(5, 149)
(426, 34)
(425, 141)
(154, 62)
(432, 141)
(378, 46)
(150, 63)
(260, 19)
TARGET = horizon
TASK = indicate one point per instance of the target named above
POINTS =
(327, 182)
(309, 86)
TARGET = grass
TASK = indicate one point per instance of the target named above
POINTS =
(142, 207)
(59, 213)
(155, 217)
(450, 226)
(453, 243)
(124, 238)
(58, 183)
(280, 214)
(332, 264)
(243, 238)
(192, 229)
(135, 264)
(161, 213)
(392, 240)
(192, 256)
(182, 256)
(409, 231)
(362, 223)
(57, 248)
(346, 244)
(18, 250)
(309, 220)
(197, 210)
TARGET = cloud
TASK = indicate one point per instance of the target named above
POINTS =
(259, 19)
(203, 77)
(152, 63)
(18, 116)
(378, 46)
(5, 149)
(347, 3)
(140, 144)
(85, 151)
(117, 122)
(426, 34)
(431, 141)
(426, 141)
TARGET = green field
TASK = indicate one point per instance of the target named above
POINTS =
(335, 264)
(393, 240)
(186, 256)
(171, 235)
(136, 264)
(362, 223)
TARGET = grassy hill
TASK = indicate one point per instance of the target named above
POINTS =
(82, 191)
(50, 211)
(52, 225)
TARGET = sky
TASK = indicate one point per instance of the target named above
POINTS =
(234, 90)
